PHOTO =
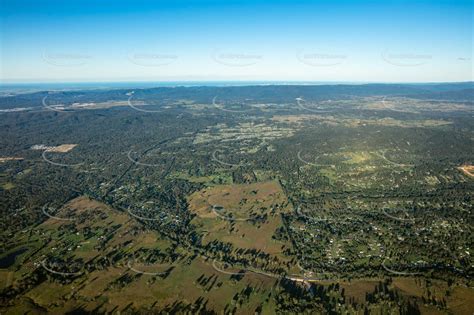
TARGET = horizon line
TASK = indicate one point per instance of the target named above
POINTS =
(257, 82)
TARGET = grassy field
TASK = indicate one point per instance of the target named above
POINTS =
(142, 285)
(241, 204)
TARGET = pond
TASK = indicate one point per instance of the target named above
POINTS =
(9, 259)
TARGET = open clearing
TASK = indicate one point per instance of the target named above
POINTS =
(241, 201)
(63, 148)
(260, 203)
(357, 122)
(6, 159)
(467, 169)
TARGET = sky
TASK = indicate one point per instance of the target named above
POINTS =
(235, 40)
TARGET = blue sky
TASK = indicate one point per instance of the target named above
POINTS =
(353, 41)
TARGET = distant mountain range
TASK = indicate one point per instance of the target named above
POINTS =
(463, 91)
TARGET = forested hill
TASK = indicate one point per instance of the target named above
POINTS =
(265, 93)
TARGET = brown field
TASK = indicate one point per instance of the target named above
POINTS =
(409, 286)
(355, 122)
(63, 148)
(6, 278)
(459, 301)
(293, 118)
(84, 206)
(6, 159)
(242, 201)
(357, 289)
